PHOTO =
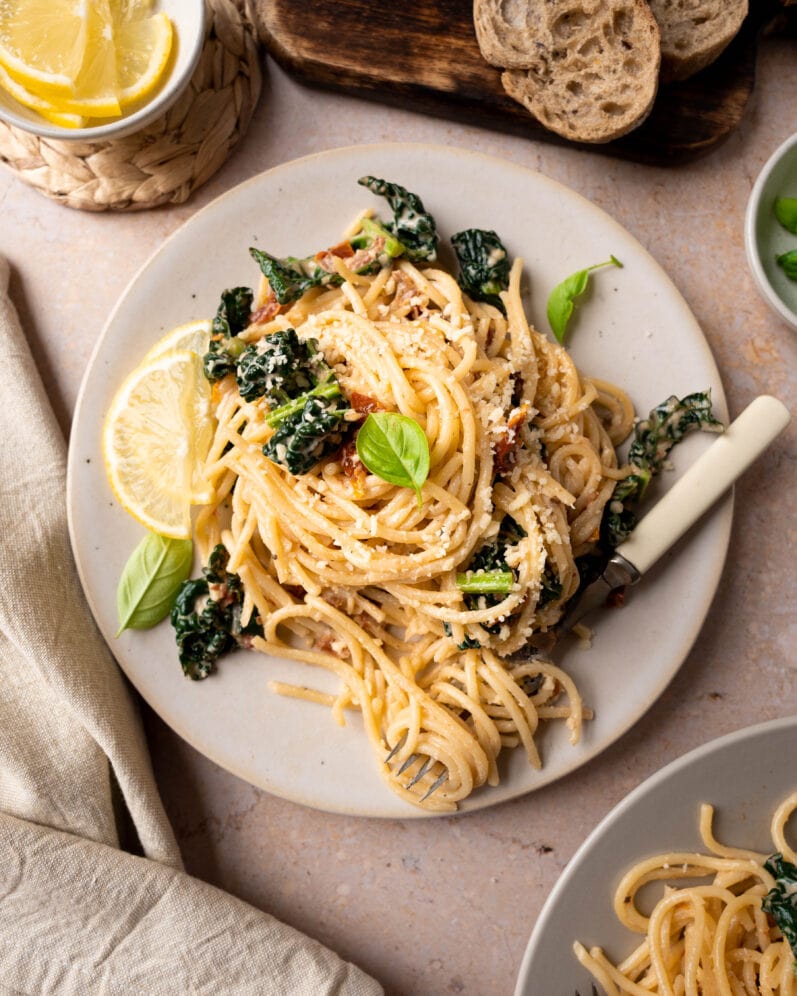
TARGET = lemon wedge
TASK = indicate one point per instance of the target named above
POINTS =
(39, 104)
(155, 438)
(194, 336)
(43, 43)
(130, 10)
(96, 92)
(143, 47)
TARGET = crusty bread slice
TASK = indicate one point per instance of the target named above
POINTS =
(591, 68)
(695, 32)
(509, 31)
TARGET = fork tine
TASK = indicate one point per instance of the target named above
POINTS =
(399, 744)
(408, 763)
(436, 784)
(421, 772)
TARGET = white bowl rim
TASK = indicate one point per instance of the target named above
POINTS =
(127, 124)
(753, 257)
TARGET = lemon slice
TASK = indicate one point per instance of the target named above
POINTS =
(143, 47)
(96, 92)
(129, 10)
(39, 104)
(194, 336)
(155, 439)
(43, 43)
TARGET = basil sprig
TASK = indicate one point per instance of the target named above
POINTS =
(394, 447)
(561, 301)
(151, 579)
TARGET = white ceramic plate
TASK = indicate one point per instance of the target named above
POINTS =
(635, 328)
(744, 775)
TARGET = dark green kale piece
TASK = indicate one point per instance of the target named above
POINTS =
(654, 437)
(281, 366)
(291, 277)
(308, 428)
(232, 317)
(207, 617)
(412, 225)
(488, 578)
(484, 265)
(781, 901)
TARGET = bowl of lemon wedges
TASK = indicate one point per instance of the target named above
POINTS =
(95, 69)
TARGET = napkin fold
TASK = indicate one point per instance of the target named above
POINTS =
(78, 913)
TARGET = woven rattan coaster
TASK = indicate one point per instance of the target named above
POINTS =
(168, 159)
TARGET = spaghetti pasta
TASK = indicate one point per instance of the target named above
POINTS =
(347, 572)
(713, 938)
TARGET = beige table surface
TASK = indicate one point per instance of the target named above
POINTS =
(447, 905)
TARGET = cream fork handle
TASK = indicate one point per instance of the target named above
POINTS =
(705, 481)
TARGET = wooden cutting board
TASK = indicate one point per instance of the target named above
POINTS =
(422, 55)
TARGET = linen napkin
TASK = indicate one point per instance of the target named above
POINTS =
(78, 914)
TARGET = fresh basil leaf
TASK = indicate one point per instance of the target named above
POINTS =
(151, 579)
(786, 212)
(394, 447)
(561, 301)
(787, 261)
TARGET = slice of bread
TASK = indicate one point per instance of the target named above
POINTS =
(586, 69)
(509, 31)
(695, 32)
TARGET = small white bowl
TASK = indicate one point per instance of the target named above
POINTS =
(188, 21)
(765, 237)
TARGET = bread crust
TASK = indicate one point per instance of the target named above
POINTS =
(588, 69)
(695, 32)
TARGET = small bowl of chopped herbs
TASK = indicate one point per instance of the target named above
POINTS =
(771, 231)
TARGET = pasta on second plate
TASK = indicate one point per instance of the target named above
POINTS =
(713, 938)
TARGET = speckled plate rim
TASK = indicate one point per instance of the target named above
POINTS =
(639, 326)
(741, 773)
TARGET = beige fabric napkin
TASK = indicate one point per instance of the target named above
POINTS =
(77, 913)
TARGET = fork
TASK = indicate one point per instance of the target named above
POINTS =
(703, 484)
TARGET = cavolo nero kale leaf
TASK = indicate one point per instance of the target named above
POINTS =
(654, 437)
(279, 367)
(206, 617)
(232, 317)
(483, 265)
(412, 224)
(307, 407)
(308, 428)
(292, 277)
(781, 901)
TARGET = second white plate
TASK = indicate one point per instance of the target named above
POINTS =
(634, 328)
(744, 775)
